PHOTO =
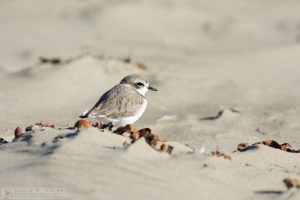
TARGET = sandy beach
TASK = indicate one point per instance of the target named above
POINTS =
(227, 73)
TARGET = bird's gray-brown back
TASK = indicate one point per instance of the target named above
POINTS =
(119, 102)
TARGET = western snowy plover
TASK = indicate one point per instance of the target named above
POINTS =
(123, 104)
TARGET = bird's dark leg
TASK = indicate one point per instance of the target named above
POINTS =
(108, 125)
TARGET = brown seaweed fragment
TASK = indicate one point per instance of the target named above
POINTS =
(271, 143)
(42, 125)
(217, 153)
(151, 139)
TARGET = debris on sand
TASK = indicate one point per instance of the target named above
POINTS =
(141, 65)
(152, 139)
(292, 183)
(82, 123)
(53, 61)
(166, 148)
(19, 132)
(271, 143)
(42, 125)
(217, 153)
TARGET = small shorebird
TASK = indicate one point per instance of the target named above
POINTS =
(123, 104)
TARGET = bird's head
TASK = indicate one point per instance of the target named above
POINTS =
(138, 82)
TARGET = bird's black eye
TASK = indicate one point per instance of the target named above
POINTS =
(140, 84)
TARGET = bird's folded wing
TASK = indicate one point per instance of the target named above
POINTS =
(119, 102)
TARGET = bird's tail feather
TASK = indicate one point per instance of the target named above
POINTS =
(85, 114)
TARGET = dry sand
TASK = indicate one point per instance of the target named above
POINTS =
(241, 57)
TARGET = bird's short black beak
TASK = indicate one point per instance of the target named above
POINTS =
(152, 88)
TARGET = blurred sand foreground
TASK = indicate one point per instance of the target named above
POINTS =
(238, 57)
